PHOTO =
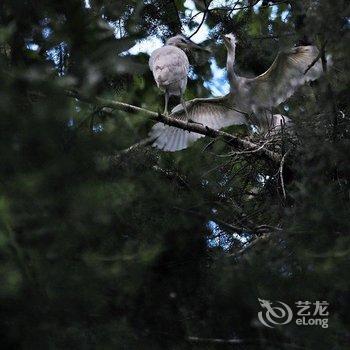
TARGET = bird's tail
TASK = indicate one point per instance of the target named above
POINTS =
(171, 139)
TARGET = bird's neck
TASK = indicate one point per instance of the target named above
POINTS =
(232, 77)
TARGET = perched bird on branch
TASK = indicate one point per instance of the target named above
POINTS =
(169, 65)
(291, 69)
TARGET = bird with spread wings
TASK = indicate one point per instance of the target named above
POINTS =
(291, 69)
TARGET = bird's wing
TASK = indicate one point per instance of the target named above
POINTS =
(284, 76)
(215, 113)
(169, 64)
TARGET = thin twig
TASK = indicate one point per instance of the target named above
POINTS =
(215, 340)
(202, 21)
(226, 8)
(317, 57)
(144, 142)
(246, 151)
(172, 175)
(281, 174)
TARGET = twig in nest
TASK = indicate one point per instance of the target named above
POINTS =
(281, 174)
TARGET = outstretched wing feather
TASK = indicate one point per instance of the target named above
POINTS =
(215, 113)
(284, 76)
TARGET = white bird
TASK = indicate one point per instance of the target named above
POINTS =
(259, 95)
(291, 69)
(170, 67)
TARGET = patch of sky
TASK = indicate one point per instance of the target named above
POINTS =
(70, 122)
(262, 179)
(221, 3)
(203, 32)
(146, 46)
(232, 4)
(119, 31)
(46, 32)
(153, 42)
(254, 129)
(54, 53)
(220, 238)
(284, 15)
(87, 4)
(274, 11)
(32, 46)
(257, 6)
(347, 22)
(97, 128)
(192, 75)
(218, 84)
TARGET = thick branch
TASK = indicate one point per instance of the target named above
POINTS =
(198, 128)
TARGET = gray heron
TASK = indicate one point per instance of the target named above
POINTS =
(169, 65)
(291, 69)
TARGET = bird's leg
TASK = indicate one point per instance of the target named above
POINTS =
(189, 120)
(166, 95)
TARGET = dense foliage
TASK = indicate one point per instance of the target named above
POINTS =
(102, 248)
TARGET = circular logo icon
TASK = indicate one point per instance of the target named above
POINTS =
(275, 313)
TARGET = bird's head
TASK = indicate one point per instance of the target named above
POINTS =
(229, 40)
(184, 43)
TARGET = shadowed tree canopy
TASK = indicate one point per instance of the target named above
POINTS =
(108, 243)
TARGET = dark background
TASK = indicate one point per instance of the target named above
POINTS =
(143, 250)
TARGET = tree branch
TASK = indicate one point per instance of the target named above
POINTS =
(202, 21)
(215, 340)
(193, 127)
(239, 341)
(281, 174)
(231, 227)
(317, 57)
(252, 244)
